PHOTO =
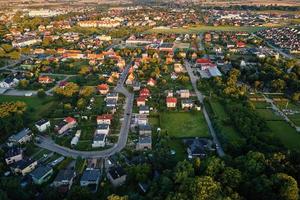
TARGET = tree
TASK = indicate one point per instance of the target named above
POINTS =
(116, 197)
(81, 103)
(183, 170)
(23, 83)
(84, 70)
(286, 186)
(231, 177)
(79, 193)
(87, 91)
(205, 188)
(296, 96)
(69, 90)
(41, 93)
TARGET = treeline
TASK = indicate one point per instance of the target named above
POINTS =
(259, 8)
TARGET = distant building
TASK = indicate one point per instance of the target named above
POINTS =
(90, 178)
(24, 166)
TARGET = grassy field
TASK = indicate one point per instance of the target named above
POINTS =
(179, 148)
(37, 107)
(186, 124)
(204, 28)
(288, 135)
(268, 114)
(228, 131)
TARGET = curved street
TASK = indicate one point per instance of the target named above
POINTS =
(49, 144)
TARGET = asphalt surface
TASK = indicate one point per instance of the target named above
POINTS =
(201, 97)
(48, 143)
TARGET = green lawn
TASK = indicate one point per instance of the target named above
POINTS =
(268, 114)
(260, 104)
(204, 28)
(228, 131)
(288, 135)
(184, 124)
(37, 107)
(179, 148)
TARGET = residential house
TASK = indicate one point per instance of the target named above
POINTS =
(22, 137)
(112, 95)
(90, 178)
(187, 104)
(141, 101)
(64, 179)
(42, 125)
(130, 79)
(196, 147)
(41, 174)
(102, 129)
(9, 82)
(111, 103)
(65, 125)
(45, 79)
(144, 92)
(145, 129)
(99, 140)
(178, 68)
(13, 155)
(144, 110)
(104, 119)
(184, 94)
(141, 119)
(144, 142)
(171, 102)
(103, 88)
(116, 176)
(136, 86)
(23, 167)
(151, 82)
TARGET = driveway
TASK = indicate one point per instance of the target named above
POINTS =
(200, 97)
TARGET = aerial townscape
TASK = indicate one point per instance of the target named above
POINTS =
(149, 100)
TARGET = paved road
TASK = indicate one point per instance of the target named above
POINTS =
(49, 144)
(200, 97)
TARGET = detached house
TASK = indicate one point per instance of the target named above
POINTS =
(90, 177)
(141, 101)
(116, 176)
(103, 89)
(145, 129)
(102, 129)
(99, 140)
(144, 92)
(41, 174)
(144, 142)
(23, 167)
(104, 119)
(151, 82)
(42, 125)
(171, 102)
(13, 155)
(22, 137)
(187, 104)
(45, 79)
(184, 94)
(144, 110)
(64, 179)
(65, 125)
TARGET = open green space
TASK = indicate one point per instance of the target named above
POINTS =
(287, 135)
(179, 148)
(184, 124)
(260, 104)
(37, 107)
(204, 28)
(226, 130)
(268, 114)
